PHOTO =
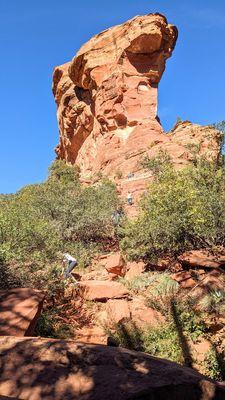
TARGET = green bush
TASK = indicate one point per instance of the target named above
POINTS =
(138, 283)
(161, 341)
(40, 222)
(181, 210)
(213, 302)
(48, 327)
(214, 364)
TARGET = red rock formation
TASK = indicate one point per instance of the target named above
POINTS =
(107, 105)
(108, 93)
(134, 269)
(102, 290)
(203, 258)
(115, 263)
(19, 311)
(39, 369)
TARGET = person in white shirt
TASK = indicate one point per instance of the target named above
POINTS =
(71, 264)
(129, 198)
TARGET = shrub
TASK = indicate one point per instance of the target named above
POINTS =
(214, 364)
(128, 335)
(159, 341)
(213, 302)
(162, 294)
(42, 221)
(182, 210)
(48, 327)
(138, 283)
(158, 164)
(118, 174)
(163, 341)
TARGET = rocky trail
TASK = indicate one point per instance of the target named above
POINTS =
(105, 297)
(106, 99)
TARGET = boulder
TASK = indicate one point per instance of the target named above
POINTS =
(185, 279)
(99, 275)
(117, 311)
(142, 315)
(134, 269)
(95, 335)
(51, 369)
(20, 309)
(213, 280)
(203, 258)
(102, 290)
(115, 263)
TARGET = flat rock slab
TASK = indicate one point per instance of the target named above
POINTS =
(203, 258)
(51, 369)
(19, 311)
(102, 290)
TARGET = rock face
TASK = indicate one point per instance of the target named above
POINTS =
(115, 263)
(40, 369)
(107, 105)
(203, 258)
(108, 93)
(19, 311)
(134, 269)
(102, 290)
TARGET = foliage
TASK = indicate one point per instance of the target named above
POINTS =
(40, 222)
(163, 342)
(47, 327)
(214, 364)
(138, 283)
(159, 341)
(165, 286)
(158, 164)
(169, 339)
(181, 210)
(118, 174)
(162, 293)
(127, 335)
(221, 127)
(213, 302)
(190, 322)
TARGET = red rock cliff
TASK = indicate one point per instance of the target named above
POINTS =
(107, 95)
(107, 104)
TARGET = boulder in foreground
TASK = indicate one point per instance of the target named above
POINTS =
(20, 309)
(39, 369)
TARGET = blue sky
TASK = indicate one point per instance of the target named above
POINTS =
(35, 36)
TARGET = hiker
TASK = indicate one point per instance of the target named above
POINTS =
(129, 198)
(117, 215)
(130, 175)
(71, 264)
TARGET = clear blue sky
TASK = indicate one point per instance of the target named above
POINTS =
(35, 36)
